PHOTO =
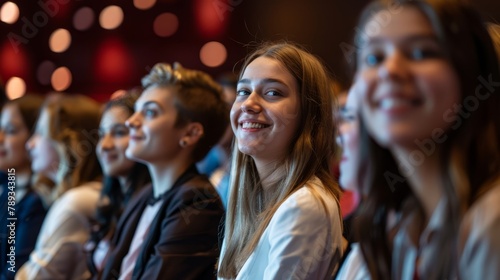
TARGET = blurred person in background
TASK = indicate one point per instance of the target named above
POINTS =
(62, 148)
(217, 164)
(429, 134)
(123, 177)
(17, 122)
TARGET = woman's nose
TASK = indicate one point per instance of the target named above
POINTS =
(251, 104)
(133, 121)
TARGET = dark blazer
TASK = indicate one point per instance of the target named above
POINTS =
(182, 240)
(30, 213)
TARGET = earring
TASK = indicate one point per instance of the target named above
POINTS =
(183, 143)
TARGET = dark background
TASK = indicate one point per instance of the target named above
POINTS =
(320, 25)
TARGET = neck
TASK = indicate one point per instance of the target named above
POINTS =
(424, 178)
(268, 172)
(165, 175)
(23, 178)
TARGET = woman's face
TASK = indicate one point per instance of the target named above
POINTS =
(113, 142)
(154, 138)
(265, 114)
(13, 137)
(408, 88)
(349, 141)
(44, 156)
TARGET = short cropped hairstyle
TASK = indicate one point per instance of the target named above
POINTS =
(198, 98)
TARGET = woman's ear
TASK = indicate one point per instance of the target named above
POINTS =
(194, 131)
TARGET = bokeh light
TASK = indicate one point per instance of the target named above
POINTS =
(117, 94)
(83, 19)
(213, 54)
(165, 24)
(60, 40)
(114, 62)
(210, 20)
(44, 72)
(15, 88)
(111, 17)
(14, 60)
(61, 79)
(9, 13)
(144, 4)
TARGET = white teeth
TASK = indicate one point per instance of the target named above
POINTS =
(252, 125)
(388, 103)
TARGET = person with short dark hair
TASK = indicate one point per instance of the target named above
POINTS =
(171, 230)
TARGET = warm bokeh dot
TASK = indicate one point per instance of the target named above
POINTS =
(213, 54)
(117, 94)
(60, 40)
(61, 79)
(166, 24)
(15, 88)
(111, 17)
(9, 13)
(83, 19)
(144, 4)
(44, 72)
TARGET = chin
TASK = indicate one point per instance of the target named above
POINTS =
(133, 155)
(252, 150)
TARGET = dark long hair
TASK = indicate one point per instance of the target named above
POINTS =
(470, 157)
(112, 199)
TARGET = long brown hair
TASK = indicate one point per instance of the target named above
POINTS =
(312, 148)
(470, 156)
(73, 122)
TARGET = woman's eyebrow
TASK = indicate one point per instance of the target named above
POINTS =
(147, 103)
(263, 81)
(409, 38)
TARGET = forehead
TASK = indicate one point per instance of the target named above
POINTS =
(265, 67)
(164, 96)
(393, 25)
(11, 113)
(115, 114)
(352, 100)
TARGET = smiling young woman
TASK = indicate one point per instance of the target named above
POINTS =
(430, 135)
(123, 178)
(283, 217)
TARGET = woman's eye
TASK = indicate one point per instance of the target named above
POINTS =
(424, 53)
(348, 118)
(120, 132)
(373, 59)
(10, 130)
(347, 115)
(241, 92)
(273, 93)
(149, 113)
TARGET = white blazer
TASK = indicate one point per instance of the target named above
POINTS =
(302, 241)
